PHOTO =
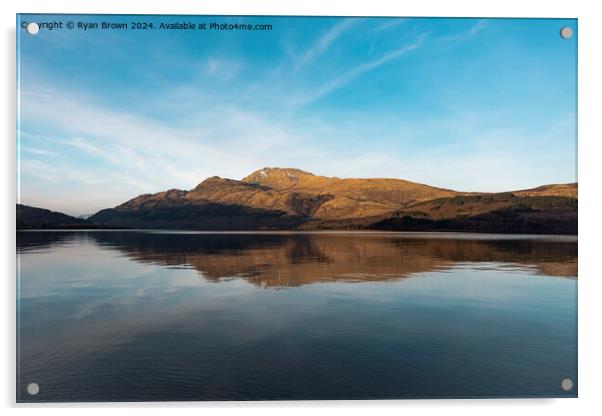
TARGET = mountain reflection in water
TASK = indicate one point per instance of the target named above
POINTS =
(294, 259)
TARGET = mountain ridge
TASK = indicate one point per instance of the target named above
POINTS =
(289, 198)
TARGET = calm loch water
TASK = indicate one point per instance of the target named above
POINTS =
(152, 315)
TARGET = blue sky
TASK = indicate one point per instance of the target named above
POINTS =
(467, 104)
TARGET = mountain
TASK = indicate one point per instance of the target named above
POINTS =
(494, 213)
(293, 193)
(32, 217)
(277, 198)
(568, 190)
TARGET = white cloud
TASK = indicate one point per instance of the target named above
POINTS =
(390, 23)
(325, 41)
(221, 69)
(478, 27)
(355, 72)
(39, 152)
(90, 148)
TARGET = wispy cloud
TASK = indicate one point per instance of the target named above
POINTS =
(90, 148)
(355, 72)
(221, 69)
(478, 27)
(324, 42)
(389, 24)
(39, 152)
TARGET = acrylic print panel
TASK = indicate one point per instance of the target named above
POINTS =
(267, 208)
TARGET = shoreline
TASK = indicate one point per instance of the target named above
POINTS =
(412, 234)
